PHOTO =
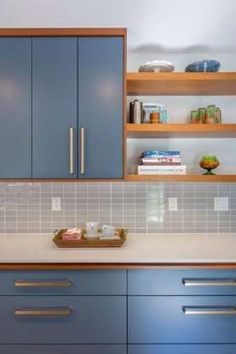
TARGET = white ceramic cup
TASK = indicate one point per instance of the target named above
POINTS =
(91, 229)
(108, 231)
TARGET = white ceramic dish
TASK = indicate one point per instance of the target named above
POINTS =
(157, 66)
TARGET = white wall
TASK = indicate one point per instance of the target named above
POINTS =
(170, 25)
(181, 31)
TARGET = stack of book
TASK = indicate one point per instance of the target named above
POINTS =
(161, 163)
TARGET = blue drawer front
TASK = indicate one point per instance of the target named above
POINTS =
(182, 349)
(161, 319)
(181, 282)
(89, 282)
(63, 349)
(94, 320)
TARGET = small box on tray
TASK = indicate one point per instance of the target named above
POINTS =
(72, 234)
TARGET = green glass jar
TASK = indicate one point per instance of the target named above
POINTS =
(194, 117)
(202, 115)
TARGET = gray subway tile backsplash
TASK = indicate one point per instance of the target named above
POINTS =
(140, 207)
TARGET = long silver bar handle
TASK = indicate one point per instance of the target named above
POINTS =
(64, 283)
(209, 282)
(71, 151)
(209, 311)
(82, 151)
(43, 312)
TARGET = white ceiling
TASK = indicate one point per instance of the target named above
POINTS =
(167, 25)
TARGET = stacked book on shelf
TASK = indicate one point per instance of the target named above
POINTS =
(161, 163)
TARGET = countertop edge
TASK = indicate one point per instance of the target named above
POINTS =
(113, 266)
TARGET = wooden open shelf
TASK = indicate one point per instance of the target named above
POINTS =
(181, 83)
(179, 178)
(180, 130)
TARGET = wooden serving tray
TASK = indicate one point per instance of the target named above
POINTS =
(89, 242)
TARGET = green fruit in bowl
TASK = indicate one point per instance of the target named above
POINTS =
(209, 163)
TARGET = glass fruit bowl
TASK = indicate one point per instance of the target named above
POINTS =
(209, 163)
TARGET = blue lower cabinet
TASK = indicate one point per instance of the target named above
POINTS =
(182, 319)
(63, 349)
(182, 349)
(63, 320)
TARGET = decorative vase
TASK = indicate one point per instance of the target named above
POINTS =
(204, 66)
(209, 163)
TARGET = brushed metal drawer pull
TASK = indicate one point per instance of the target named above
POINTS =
(209, 310)
(209, 282)
(65, 283)
(43, 312)
(71, 151)
(82, 151)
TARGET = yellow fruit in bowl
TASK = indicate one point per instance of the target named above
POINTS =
(209, 163)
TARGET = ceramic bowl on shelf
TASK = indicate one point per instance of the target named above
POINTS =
(157, 66)
(204, 66)
(209, 163)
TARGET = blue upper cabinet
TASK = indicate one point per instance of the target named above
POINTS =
(15, 108)
(54, 116)
(62, 107)
(100, 107)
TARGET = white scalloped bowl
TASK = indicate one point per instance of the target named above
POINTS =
(157, 66)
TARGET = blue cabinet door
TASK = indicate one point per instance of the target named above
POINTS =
(54, 77)
(101, 106)
(15, 108)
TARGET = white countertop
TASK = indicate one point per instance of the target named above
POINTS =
(139, 248)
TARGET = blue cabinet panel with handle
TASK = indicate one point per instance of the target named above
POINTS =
(64, 349)
(54, 78)
(83, 282)
(63, 319)
(101, 107)
(91, 313)
(15, 108)
(182, 349)
(61, 104)
(182, 319)
(182, 282)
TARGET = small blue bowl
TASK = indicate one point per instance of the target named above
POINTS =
(204, 66)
